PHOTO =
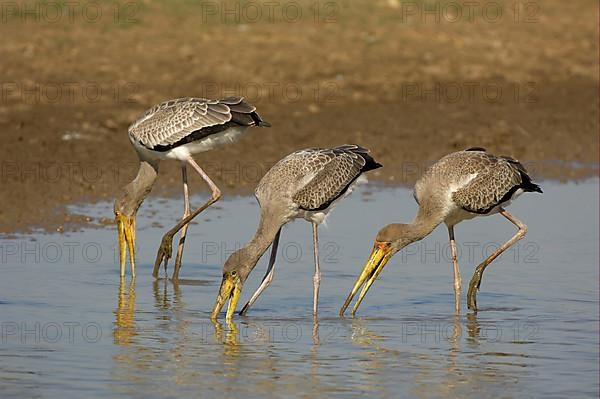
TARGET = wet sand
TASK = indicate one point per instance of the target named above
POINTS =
(372, 74)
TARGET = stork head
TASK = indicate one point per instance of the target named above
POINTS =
(235, 272)
(125, 220)
(390, 239)
(126, 207)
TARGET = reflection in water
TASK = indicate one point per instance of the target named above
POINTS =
(453, 368)
(314, 355)
(173, 321)
(158, 345)
(229, 337)
(255, 353)
(376, 361)
(431, 358)
(162, 299)
(125, 329)
(473, 328)
(364, 337)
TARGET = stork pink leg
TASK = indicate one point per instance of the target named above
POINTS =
(476, 279)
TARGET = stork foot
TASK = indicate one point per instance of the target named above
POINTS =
(474, 287)
(164, 253)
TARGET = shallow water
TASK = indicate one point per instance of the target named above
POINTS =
(70, 328)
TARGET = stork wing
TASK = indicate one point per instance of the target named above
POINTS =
(332, 172)
(171, 121)
(496, 180)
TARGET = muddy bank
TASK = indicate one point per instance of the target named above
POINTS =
(409, 90)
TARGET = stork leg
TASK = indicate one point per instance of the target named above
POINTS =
(165, 249)
(457, 279)
(268, 278)
(476, 279)
(317, 276)
(186, 212)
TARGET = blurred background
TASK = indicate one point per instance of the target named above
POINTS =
(410, 80)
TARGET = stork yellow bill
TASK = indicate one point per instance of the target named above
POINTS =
(126, 229)
(231, 287)
(381, 253)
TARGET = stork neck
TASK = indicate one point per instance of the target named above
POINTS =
(136, 191)
(426, 220)
(250, 253)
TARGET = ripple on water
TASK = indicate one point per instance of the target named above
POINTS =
(535, 335)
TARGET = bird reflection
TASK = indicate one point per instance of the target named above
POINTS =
(229, 336)
(172, 318)
(162, 300)
(473, 328)
(453, 333)
(434, 349)
(174, 346)
(366, 338)
(178, 348)
(315, 332)
(125, 328)
(376, 360)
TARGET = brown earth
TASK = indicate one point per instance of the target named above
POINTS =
(377, 73)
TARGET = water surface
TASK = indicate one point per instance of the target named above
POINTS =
(70, 327)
